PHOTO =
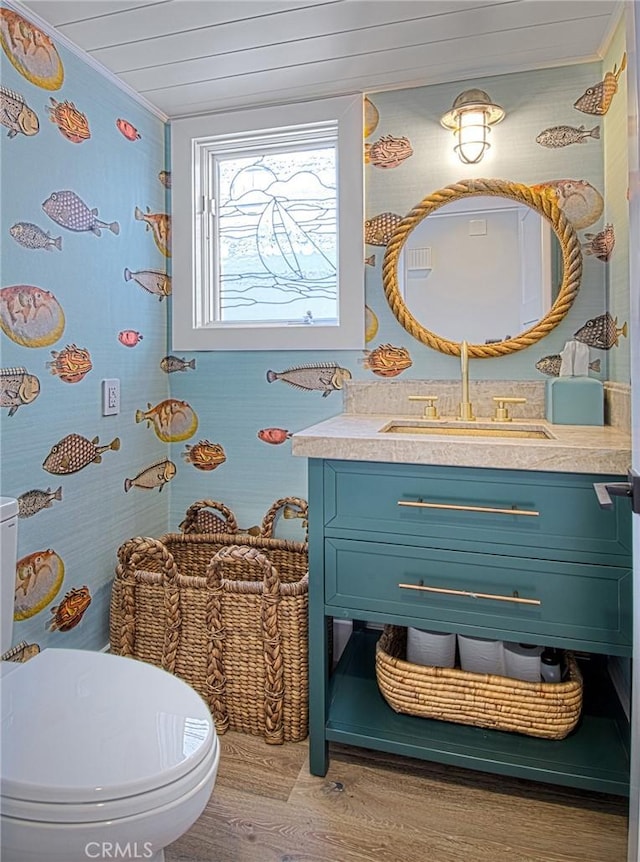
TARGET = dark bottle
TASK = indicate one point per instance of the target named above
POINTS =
(550, 668)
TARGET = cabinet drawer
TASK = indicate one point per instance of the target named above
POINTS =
(551, 515)
(534, 599)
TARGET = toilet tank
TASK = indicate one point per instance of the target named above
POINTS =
(8, 554)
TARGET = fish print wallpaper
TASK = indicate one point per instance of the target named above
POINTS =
(86, 295)
(78, 273)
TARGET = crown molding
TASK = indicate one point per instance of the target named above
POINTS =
(61, 39)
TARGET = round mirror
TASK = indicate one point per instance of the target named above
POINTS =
(496, 264)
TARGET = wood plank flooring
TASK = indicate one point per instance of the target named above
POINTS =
(374, 807)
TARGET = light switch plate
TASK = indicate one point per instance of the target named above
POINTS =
(110, 397)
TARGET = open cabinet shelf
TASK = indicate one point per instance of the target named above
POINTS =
(595, 756)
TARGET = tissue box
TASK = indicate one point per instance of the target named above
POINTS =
(575, 401)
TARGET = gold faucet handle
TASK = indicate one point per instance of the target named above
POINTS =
(502, 411)
(430, 410)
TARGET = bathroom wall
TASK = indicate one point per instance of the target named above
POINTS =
(231, 393)
(616, 179)
(72, 314)
(234, 423)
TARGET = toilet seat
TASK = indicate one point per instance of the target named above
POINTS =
(92, 737)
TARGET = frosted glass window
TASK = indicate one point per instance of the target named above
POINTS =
(276, 245)
(268, 228)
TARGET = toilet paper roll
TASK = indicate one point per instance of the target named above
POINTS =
(481, 655)
(434, 649)
(522, 661)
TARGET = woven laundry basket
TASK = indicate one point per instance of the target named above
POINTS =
(212, 516)
(230, 619)
(543, 709)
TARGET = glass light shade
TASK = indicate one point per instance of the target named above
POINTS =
(469, 119)
(472, 134)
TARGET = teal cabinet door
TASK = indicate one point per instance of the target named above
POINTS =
(513, 598)
(548, 515)
(510, 555)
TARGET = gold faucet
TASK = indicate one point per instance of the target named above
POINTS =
(466, 407)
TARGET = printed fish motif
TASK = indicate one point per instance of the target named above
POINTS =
(160, 225)
(72, 213)
(30, 316)
(30, 567)
(39, 577)
(291, 512)
(205, 455)
(601, 244)
(379, 229)
(581, 203)
(564, 136)
(130, 133)
(273, 435)
(21, 652)
(71, 363)
(370, 324)
(326, 377)
(165, 178)
(170, 364)
(550, 365)
(17, 388)
(371, 117)
(597, 99)
(74, 452)
(172, 420)
(70, 611)
(387, 360)
(71, 122)
(601, 332)
(371, 260)
(155, 476)
(152, 280)
(16, 115)
(31, 236)
(387, 152)
(129, 337)
(32, 502)
(30, 51)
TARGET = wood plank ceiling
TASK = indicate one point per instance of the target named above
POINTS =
(189, 57)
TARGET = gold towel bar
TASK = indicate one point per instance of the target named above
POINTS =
(471, 594)
(451, 506)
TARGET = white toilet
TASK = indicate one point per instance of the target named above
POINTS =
(102, 757)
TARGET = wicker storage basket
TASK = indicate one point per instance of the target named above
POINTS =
(228, 614)
(549, 710)
(200, 519)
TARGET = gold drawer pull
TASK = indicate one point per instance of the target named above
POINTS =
(471, 594)
(452, 507)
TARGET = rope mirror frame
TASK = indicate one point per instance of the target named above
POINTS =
(544, 202)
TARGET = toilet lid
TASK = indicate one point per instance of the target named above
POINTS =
(83, 726)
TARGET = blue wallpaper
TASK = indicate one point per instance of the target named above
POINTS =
(77, 307)
(64, 299)
(616, 179)
(409, 156)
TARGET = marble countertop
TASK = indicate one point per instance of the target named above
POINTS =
(570, 448)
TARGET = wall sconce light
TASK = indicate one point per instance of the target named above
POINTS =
(469, 119)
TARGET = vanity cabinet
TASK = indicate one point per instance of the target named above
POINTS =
(513, 555)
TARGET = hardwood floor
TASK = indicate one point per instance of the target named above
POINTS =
(374, 807)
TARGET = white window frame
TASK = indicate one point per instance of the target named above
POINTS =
(187, 139)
